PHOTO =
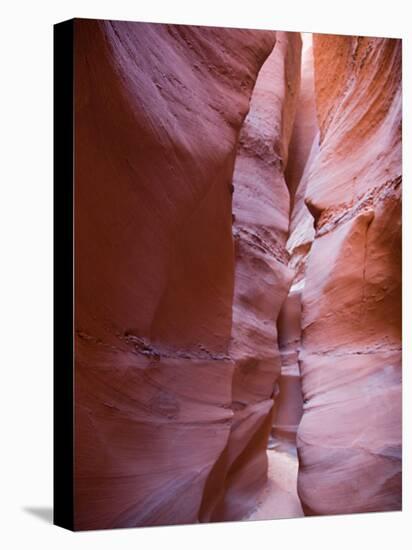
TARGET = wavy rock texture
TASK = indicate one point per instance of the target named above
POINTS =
(305, 125)
(192, 270)
(303, 145)
(159, 109)
(262, 278)
(304, 148)
(288, 406)
(349, 440)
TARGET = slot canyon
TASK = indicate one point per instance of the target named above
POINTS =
(238, 274)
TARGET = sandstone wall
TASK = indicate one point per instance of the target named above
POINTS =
(349, 440)
(191, 148)
(303, 146)
(262, 278)
(159, 109)
(288, 406)
(305, 124)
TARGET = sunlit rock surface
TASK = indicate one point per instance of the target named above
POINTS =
(349, 439)
(303, 150)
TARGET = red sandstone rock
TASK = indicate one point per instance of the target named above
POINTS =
(305, 125)
(349, 439)
(177, 358)
(288, 406)
(262, 279)
(303, 150)
(158, 114)
(303, 147)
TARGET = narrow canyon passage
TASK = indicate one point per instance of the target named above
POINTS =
(279, 498)
(238, 286)
(358, 342)
(262, 277)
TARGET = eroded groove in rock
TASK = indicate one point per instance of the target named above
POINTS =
(288, 406)
(262, 278)
(303, 146)
(349, 438)
(305, 125)
(158, 114)
(304, 149)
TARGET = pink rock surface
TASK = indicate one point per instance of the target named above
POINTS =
(237, 242)
(288, 405)
(279, 499)
(262, 278)
(349, 439)
(159, 109)
(304, 148)
(305, 124)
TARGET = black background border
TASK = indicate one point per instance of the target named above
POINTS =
(63, 265)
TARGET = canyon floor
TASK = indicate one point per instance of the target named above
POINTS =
(279, 499)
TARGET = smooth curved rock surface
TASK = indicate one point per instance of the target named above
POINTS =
(159, 109)
(288, 406)
(201, 294)
(304, 148)
(349, 440)
(262, 278)
(305, 124)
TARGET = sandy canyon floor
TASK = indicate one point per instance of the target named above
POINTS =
(279, 499)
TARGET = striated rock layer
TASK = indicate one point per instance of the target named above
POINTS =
(349, 439)
(159, 109)
(262, 279)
